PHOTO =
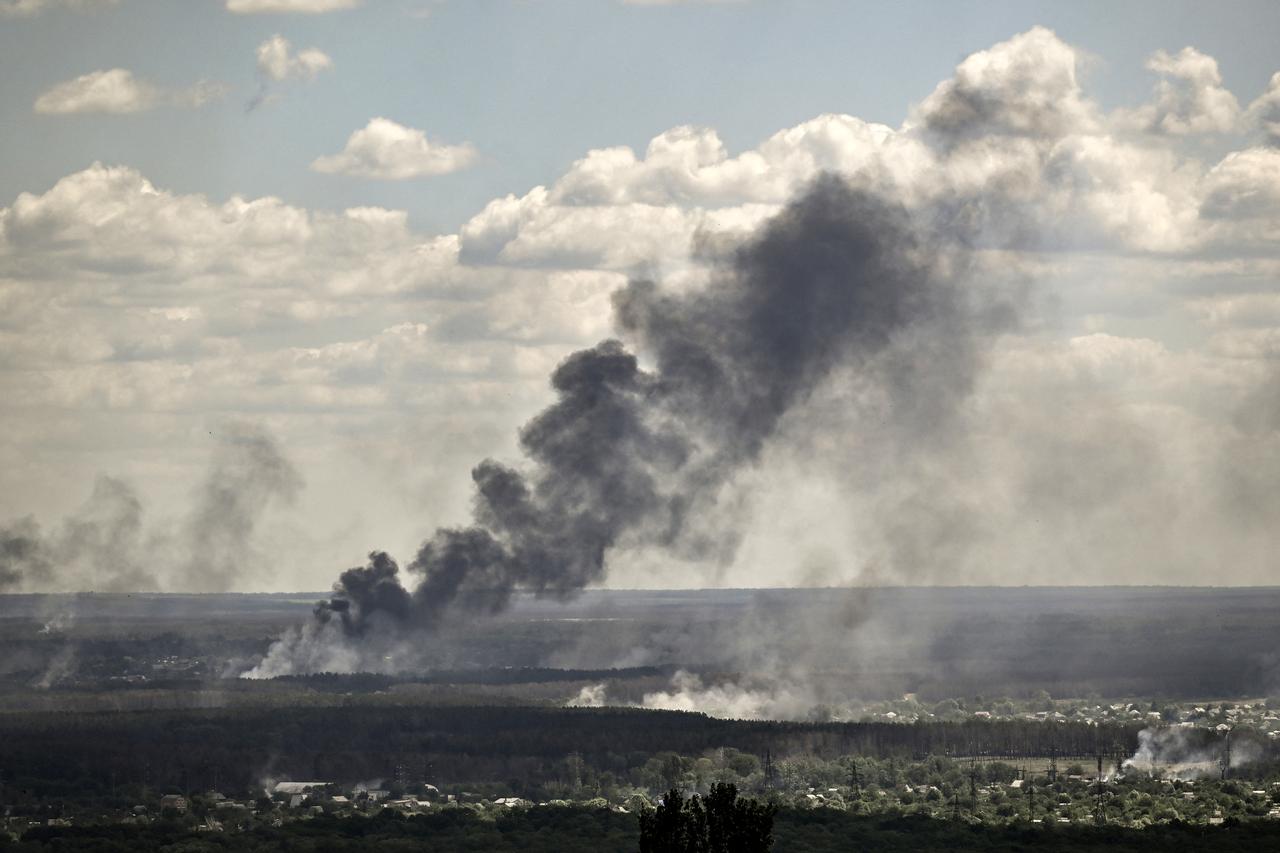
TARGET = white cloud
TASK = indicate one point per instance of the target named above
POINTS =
(118, 91)
(689, 165)
(29, 8)
(1241, 200)
(106, 222)
(390, 151)
(1189, 98)
(1027, 85)
(1011, 142)
(1265, 111)
(307, 7)
(278, 61)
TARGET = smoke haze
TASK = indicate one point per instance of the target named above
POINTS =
(106, 545)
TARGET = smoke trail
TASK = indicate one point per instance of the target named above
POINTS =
(633, 457)
(248, 473)
(99, 547)
(105, 546)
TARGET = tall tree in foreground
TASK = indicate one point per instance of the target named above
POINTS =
(720, 823)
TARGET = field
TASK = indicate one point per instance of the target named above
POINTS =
(935, 643)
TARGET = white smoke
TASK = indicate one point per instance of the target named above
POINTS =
(727, 700)
(1186, 753)
(591, 696)
(60, 667)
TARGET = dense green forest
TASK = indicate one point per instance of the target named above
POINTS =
(79, 754)
(570, 829)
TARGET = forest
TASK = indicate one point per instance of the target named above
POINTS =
(79, 754)
(572, 829)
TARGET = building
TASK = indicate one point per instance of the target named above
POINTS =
(177, 802)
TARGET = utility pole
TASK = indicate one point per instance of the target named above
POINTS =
(1225, 761)
(1099, 809)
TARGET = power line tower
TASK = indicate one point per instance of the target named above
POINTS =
(770, 772)
(854, 781)
(1099, 808)
(1225, 761)
(1053, 764)
(1031, 800)
(973, 785)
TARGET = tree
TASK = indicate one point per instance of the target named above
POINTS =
(720, 823)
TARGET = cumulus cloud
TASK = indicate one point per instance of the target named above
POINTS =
(111, 220)
(306, 7)
(1189, 98)
(1242, 197)
(118, 91)
(30, 8)
(1026, 86)
(278, 61)
(1265, 111)
(690, 165)
(390, 151)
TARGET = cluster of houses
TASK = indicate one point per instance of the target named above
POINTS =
(1255, 714)
(318, 797)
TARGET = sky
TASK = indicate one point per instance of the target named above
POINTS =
(275, 274)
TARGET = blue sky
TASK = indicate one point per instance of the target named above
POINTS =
(534, 84)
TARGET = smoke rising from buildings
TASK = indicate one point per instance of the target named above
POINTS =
(107, 545)
(635, 456)
(1182, 753)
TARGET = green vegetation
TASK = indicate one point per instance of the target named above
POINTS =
(720, 822)
(574, 828)
(527, 751)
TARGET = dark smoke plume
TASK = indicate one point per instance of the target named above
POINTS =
(629, 456)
